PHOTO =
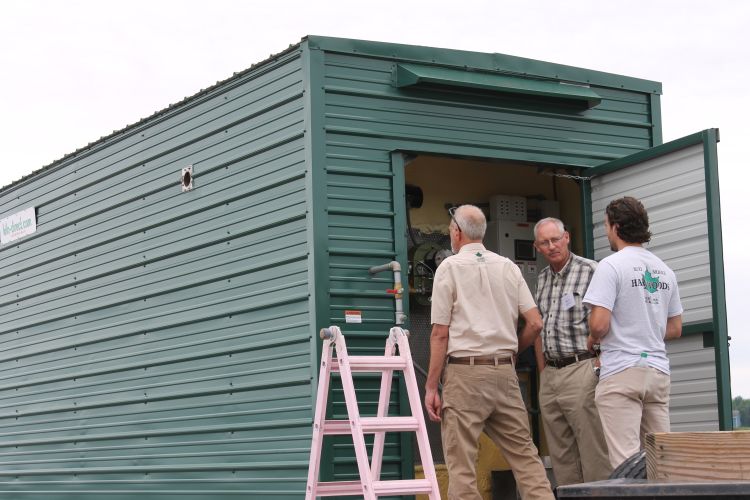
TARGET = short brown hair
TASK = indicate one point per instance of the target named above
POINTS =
(631, 218)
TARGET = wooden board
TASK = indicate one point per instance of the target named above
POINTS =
(698, 456)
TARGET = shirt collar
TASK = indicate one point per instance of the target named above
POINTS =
(472, 247)
(564, 271)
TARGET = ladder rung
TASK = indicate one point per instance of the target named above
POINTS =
(338, 488)
(395, 487)
(402, 487)
(393, 424)
(371, 425)
(372, 363)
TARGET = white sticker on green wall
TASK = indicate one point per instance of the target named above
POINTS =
(18, 225)
(353, 316)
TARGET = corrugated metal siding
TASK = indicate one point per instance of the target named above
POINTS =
(361, 103)
(156, 342)
(366, 118)
(672, 188)
(360, 235)
(693, 397)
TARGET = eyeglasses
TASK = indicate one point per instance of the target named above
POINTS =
(548, 243)
(452, 212)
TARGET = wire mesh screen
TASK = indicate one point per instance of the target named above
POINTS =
(419, 341)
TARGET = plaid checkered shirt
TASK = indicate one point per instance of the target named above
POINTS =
(565, 330)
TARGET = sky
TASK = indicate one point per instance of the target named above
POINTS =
(75, 71)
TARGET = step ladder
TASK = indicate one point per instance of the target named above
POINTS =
(369, 486)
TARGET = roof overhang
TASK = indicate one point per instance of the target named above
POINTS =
(408, 75)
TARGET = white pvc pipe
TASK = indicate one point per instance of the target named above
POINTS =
(397, 287)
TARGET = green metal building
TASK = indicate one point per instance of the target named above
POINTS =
(159, 331)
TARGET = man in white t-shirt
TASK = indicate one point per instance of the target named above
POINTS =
(635, 306)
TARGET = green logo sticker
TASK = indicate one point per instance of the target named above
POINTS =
(650, 283)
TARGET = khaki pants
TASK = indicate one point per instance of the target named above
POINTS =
(631, 403)
(477, 398)
(571, 423)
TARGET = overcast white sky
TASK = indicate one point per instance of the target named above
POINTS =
(74, 71)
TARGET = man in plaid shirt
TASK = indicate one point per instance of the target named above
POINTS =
(568, 370)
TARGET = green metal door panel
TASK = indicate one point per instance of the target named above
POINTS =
(157, 342)
(678, 183)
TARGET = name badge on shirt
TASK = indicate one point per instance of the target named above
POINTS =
(568, 301)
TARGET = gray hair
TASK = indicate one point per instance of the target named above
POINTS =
(472, 221)
(556, 222)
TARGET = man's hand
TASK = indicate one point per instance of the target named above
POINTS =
(438, 349)
(433, 404)
(539, 354)
(674, 327)
(531, 329)
(590, 343)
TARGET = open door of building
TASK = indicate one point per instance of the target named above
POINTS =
(679, 186)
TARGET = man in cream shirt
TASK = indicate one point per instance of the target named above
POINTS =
(477, 298)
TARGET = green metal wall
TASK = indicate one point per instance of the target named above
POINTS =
(156, 342)
(367, 118)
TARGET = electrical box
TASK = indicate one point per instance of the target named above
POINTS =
(511, 234)
(505, 207)
(515, 240)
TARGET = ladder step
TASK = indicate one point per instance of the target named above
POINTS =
(371, 425)
(372, 363)
(397, 487)
(402, 487)
(339, 488)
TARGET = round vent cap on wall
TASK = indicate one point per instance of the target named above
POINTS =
(187, 178)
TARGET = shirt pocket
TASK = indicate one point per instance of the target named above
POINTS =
(577, 312)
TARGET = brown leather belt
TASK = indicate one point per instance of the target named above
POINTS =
(480, 360)
(569, 360)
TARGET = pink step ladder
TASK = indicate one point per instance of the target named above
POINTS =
(369, 486)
